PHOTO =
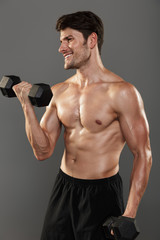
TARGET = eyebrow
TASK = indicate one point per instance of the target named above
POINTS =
(66, 38)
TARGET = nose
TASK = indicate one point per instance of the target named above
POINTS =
(63, 47)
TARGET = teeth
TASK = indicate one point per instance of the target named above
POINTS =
(68, 56)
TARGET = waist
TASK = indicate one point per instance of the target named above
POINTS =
(80, 181)
(90, 167)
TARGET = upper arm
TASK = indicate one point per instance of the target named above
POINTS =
(133, 122)
(51, 124)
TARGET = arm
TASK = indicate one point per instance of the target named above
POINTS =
(135, 129)
(42, 136)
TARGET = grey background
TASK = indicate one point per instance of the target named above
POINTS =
(29, 48)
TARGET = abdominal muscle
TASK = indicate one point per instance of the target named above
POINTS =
(91, 155)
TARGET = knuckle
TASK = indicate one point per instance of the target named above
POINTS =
(14, 87)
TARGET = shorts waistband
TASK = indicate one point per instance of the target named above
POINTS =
(80, 181)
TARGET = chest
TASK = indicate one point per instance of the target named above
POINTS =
(90, 109)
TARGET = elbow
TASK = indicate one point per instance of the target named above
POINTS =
(43, 156)
(149, 162)
(43, 152)
(146, 157)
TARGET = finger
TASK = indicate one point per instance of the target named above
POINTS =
(24, 85)
(112, 233)
(21, 85)
(26, 90)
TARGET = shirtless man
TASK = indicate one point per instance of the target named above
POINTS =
(100, 113)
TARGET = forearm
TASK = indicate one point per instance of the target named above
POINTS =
(138, 183)
(35, 134)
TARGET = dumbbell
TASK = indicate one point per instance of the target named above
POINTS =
(39, 95)
(124, 228)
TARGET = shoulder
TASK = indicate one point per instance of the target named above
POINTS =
(57, 87)
(60, 87)
(124, 95)
(121, 89)
(118, 84)
(127, 98)
(125, 91)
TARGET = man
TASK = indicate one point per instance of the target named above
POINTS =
(100, 113)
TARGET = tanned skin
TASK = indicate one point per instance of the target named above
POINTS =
(100, 113)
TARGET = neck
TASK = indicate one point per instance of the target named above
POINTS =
(91, 72)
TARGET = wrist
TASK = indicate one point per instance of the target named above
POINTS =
(130, 214)
(27, 106)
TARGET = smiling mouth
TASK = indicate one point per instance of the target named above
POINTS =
(67, 56)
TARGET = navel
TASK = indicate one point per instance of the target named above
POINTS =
(98, 122)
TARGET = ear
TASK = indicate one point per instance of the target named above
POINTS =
(93, 38)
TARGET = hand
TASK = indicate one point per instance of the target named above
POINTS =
(22, 90)
(112, 233)
(120, 228)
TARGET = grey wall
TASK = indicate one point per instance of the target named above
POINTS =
(28, 48)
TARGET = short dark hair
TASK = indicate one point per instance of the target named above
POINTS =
(85, 22)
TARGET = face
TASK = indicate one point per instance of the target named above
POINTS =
(74, 49)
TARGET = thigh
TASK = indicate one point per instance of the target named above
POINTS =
(54, 234)
(93, 204)
(90, 208)
(57, 223)
(95, 234)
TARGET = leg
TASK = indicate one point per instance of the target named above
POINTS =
(57, 224)
(92, 202)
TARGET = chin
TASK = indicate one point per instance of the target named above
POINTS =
(69, 67)
(66, 67)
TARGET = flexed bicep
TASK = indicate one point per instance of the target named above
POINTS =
(51, 125)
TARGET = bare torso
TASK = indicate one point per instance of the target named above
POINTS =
(93, 137)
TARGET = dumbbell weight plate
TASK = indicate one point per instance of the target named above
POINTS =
(7, 83)
(40, 94)
(125, 228)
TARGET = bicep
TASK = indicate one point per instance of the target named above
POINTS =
(51, 124)
(133, 122)
(135, 131)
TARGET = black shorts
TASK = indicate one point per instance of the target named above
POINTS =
(78, 207)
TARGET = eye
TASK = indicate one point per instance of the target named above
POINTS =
(69, 39)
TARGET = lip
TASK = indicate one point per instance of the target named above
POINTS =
(67, 55)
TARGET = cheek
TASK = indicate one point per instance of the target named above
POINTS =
(73, 46)
(76, 45)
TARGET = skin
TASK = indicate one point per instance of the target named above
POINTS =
(100, 112)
